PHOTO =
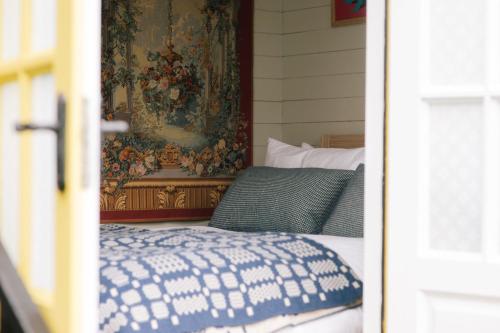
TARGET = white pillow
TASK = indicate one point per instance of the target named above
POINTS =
(282, 155)
(333, 158)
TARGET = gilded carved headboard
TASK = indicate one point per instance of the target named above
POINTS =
(342, 141)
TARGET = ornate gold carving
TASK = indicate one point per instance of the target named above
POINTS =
(109, 187)
(180, 200)
(121, 201)
(158, 194)
(108, 190)
(179, 182)
(216, 195)
(169, 157)
(164, 196)
(170, 188)
(103, 201)
(222, 188)
(163, 200)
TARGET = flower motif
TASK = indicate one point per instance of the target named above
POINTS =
(217, 160)
(199, 169)
(167, 69)
(117, 144)
(186, 161)
(238, 164)
(125, 153)
(221, 144)
(206, 154)
(152, 84)
(149, 161)
(137, 169)
(164, 84)
(174, 94)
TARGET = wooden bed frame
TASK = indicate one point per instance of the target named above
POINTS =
(343, 141)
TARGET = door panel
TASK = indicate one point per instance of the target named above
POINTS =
(44, 181)
(455, 165)
(454, 42)
(443, 216)
(44, 18)
(10, 175)
(11, 29)
(458, 314)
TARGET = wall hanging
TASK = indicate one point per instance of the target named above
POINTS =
(346, 12)
(180, 73)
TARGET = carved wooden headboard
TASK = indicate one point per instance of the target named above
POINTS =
(342, 141)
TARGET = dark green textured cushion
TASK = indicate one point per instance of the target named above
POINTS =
(277, 199)
(346, 219)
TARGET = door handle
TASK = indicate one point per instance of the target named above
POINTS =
(60, 130)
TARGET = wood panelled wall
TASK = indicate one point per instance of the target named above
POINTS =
(268, 75)
(324, 73)
(308, 77)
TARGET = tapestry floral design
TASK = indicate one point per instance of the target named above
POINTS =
(171, 70)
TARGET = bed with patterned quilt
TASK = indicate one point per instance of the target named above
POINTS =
(199, 279)
(281, 253)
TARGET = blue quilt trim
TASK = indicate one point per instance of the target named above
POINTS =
(184, 280)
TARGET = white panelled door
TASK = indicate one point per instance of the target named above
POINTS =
(443, 184)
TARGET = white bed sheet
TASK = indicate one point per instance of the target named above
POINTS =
(349, 249)
(346, 321)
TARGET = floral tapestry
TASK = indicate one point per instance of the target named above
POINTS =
(178, 71)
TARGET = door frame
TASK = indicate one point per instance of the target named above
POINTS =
(74, 61)
(89, 35)
(375, 119)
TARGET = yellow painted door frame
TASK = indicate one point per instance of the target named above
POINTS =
(61, 308)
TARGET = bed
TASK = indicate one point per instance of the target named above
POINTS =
(124, 296)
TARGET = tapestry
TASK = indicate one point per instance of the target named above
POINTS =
(179, 73)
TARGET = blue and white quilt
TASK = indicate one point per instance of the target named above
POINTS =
(184, 280)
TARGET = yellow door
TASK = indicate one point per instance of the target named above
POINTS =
(49, 166)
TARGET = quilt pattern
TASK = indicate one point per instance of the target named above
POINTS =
(185, 280)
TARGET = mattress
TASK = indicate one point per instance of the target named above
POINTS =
(344, 321)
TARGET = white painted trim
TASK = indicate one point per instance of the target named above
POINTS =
(374, 134)
(89, 40)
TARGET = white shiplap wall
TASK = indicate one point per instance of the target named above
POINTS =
(268, 74)
(308, 77)
(323, 73)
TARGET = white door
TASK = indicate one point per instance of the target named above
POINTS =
(443, 167)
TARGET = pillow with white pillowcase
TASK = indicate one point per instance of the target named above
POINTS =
(283, 155)
(332, 158)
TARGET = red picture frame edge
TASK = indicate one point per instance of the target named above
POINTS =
(354, 20)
